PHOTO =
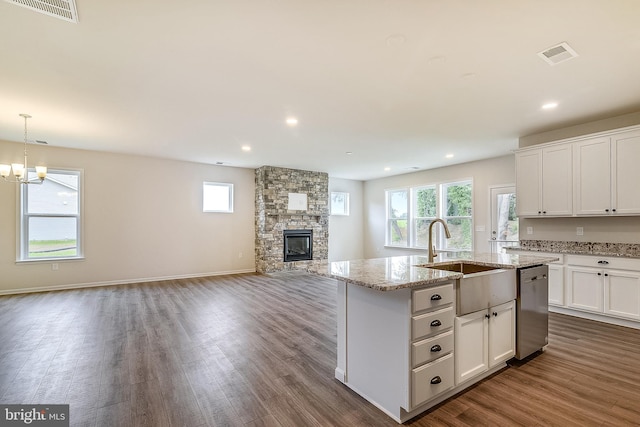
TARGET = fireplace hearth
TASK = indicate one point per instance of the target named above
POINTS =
(298, 245)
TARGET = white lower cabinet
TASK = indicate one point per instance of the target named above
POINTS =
(484, 339)
(604, 285)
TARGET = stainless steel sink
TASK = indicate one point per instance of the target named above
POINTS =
(463, 267)
(481, 286)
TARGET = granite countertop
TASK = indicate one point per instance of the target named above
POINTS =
(391, 273)
(622, 250)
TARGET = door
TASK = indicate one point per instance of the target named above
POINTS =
(622, 294)
(502, 333)
(471, 349)
(585, 289)
(504, 219)
(593, 176)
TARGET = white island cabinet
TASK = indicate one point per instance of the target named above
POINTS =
(396, 336)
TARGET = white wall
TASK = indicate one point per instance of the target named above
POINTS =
(485, 173)
(143, 220)
(346, 232)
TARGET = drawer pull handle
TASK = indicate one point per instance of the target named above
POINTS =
(435, 297)
(603, 262)
(436, 380)
(436, 323)
(436, 348)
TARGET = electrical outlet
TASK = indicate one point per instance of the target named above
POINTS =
(239, 254)
(54, 266)
(529, 230)
(579, 231)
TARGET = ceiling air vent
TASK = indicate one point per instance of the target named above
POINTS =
(63, 9)
(557, 54)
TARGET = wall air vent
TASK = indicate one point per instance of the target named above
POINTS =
(557, 54)
(63, 9)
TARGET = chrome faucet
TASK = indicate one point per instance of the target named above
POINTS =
(432, 249)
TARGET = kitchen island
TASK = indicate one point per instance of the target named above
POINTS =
(401, 345)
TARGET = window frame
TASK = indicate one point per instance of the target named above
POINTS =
(229, 201)
(22, 250)
(343, 212)
(412, 218)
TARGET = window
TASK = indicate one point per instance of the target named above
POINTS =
(397, 210)
(339, 203)
(217, 197)
(50, 217)
(411, 210)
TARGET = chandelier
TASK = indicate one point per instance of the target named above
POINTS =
(21, 170)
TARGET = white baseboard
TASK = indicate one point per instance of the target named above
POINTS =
(119, 282)
(595, 316)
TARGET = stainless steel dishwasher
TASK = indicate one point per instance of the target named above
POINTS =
(532, 310)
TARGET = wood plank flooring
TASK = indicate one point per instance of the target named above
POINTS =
(258, 350)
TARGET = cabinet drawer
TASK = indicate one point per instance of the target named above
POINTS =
(431, 323)
(425, 299)
(604, 262)
(432, 379)
(430, 349)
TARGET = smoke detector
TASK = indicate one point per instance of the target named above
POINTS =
(63, 9)
(557, 54)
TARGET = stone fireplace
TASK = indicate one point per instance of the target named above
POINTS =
(290, 203)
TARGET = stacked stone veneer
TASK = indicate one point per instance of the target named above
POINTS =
(273, 186)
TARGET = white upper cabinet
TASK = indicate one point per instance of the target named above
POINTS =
(606, 175)
(625, 148)
(594, 175)
(544, 182)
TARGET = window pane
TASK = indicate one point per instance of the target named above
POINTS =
(506, 217)
(425, 199)
(461, 236)
(58, 194)
(52, 237)
(458, 199)
(398, 204)
(422, 233)
(339, 203)
(217, 197)
(398, 232)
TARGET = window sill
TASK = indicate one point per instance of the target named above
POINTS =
(49, 260)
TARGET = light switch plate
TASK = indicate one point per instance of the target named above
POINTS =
(529, 230)
(579, 231)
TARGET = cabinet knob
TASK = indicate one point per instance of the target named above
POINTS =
(613, 210)
(436, 323)
(436, 380)
(599, 274)
(606, 210)
(495, 314)
(435, 297)
(539, 212)
(606, 275)
(487, 316)
(436, 348)
(544, 212)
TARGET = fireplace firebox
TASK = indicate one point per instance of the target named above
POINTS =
(298, 245)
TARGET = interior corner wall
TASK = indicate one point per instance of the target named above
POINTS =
(484, 173)
(346, 232)
(142, 220)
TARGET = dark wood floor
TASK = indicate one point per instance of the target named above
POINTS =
(251, 350)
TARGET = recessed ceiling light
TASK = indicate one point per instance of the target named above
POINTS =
(349, 153)
(387, 169)
(246, 148)
(396, 39)
(292, 121)
(549, 105)
(449, 156)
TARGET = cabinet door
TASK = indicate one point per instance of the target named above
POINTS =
(502, 333)
(471, 350)
(622, 294)
(593, 176)
(585, 289)
(556, 284)
(557, 180)
(626, 173)
(529, 182)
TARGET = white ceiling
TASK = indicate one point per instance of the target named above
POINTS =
(399, 83)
